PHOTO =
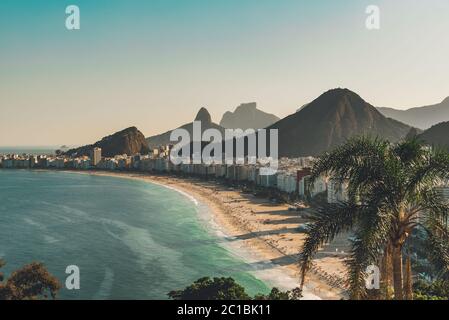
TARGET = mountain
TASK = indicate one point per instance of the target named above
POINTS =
(129, 141)
(329, 120)
(247, 116)
(437, 135)
(413, 133)
(302, 107)
(422, 117)
(206, 123)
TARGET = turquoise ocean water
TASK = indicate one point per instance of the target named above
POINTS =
(130, 239)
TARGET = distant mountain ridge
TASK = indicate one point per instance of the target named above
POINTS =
(421, 117)
(206, 123)
(437, 135)
(329, 121)
(128, 141)
(246, 116)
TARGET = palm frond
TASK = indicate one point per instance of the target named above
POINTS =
(437, 245)
(347, 160)
(327, 222)
(433, 169)
(370, 240)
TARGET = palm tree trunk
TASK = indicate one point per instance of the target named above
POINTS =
(303, 279)
(387, 274)
(408, 287)
(397, 273)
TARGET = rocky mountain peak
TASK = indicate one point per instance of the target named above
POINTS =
(204, 116)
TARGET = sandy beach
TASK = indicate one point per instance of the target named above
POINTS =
(263, 234)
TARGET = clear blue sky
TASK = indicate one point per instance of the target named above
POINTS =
(154, 63)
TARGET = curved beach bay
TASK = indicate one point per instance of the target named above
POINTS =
(131, 239)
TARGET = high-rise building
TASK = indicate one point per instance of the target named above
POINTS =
(96, 156)
(32, 161)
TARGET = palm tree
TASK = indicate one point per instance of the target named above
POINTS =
(392, 190)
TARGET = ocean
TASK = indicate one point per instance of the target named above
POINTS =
(130, 239)
(44, 150)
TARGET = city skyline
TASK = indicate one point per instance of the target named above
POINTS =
(153, 65)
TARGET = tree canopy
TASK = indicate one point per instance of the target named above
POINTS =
(392, 191)
(227, 289)
(31, 282)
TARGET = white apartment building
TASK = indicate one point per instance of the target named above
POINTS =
(96, 156)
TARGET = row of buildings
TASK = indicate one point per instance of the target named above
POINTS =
(291, 178)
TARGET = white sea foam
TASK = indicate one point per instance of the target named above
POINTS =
(187, 195)
(267, 271)
(33, 223)
(47, 237)
(104, 291)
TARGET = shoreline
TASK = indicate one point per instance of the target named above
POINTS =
(242, 238)
(258, 232)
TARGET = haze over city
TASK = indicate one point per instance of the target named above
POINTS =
(155, 63)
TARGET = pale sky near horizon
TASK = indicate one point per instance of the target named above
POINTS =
(154, 63)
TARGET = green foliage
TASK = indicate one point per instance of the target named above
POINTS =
(392, 191)
(437, 290)
(226, 289)
(211, 289)
(31, 282)
(276, 294)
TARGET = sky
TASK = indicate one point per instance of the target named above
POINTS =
(154, 63)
